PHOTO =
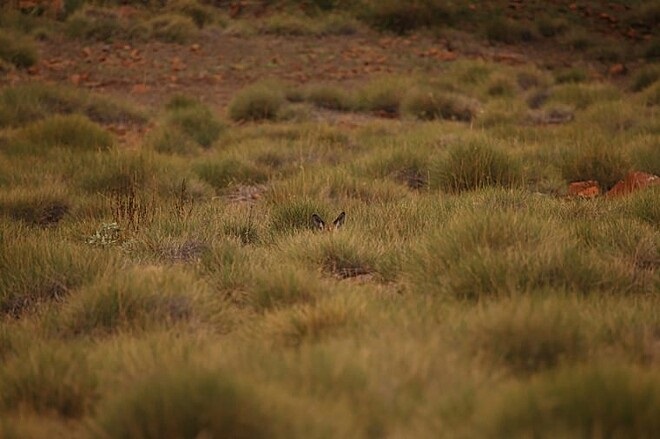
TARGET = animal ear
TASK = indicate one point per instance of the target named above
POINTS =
(340, 220)
(318, 221)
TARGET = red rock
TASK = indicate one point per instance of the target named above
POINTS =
(139, 89)
(632, 182)
(618, 69)
(584, 189)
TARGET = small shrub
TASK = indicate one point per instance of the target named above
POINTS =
(49, 379)
(332, 98)
(582, 401)
(74, 132)
(187, 401)
(429, 105)
(575, 75)
(475, 165)
(197, 122)
(255, 103)
(133, 300)
(604, 164)
(171, 28)
(222, 173)
(17, 50)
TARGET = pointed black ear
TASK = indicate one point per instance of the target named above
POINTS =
(340, 220)
(318, 221)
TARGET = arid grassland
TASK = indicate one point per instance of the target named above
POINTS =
(161, 275)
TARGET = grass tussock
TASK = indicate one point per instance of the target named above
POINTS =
(257, 102)
(607, 165)
(194, 120)
(35, 271)
(588, 400)
(282, 287)
(430, 104)
(529, 336)
(476, 257)
(132, 300)
(49, 379)
(35, 101)
(73, 132)
(43, 207)
(329, 97)
(17, 50)
(189, 401)
(475, 165)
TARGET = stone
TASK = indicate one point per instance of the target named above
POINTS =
(632, 182)
(584, 189)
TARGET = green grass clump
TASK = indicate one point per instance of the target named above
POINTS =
(183, 400)
(574, 75)
(530, 336)
(132, 300)
(17, 50)
(221, 173)
(98, 24)
(605, 164)
(645, 77)
(477, 257)
(172, 28)
(119, 172)
(283, 286)
(432, 104)
(475, 165)
(42, 207)
(293, 25)
(294, 215)
(172, 140)
(35, 270)
(652, 96)
(403, 17)
(74, 132)
(34, 101)
(509, 31)
(256, 102)
(49, 379)
(383, 95)
(329, 97)
(201, 14)
(581, 401)
(581, 96)
(197, 122)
